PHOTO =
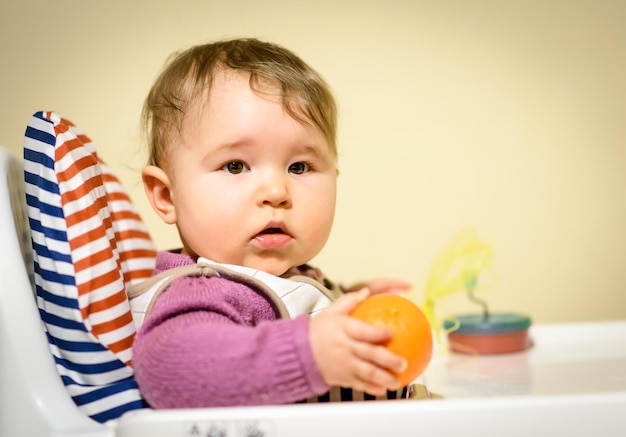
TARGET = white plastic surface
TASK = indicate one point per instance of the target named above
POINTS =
(577, 359)
(571, 382)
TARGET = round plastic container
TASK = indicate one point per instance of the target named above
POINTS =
(499, 333)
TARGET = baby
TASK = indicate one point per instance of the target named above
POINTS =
(243, 160)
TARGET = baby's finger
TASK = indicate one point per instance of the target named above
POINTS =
(380, 357)
(372, 389)
(373, 376)
(364, 332)
(349, 301)
(380, 286)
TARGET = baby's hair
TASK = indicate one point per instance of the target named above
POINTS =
(188, 76)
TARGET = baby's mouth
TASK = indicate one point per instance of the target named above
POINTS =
(271, 231)
(273, 237)
(273, 228)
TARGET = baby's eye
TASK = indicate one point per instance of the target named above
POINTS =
(235, 167)
(299, 167)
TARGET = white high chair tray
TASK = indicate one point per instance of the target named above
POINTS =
(571, 382)
(574, 359)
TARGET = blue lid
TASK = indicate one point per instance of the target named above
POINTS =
(496, 323)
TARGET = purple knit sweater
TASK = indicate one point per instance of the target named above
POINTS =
(214, 342)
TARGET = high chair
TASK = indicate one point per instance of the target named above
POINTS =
(571, 382)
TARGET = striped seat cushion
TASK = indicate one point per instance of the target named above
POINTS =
(89, 245)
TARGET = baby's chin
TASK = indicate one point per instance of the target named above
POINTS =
(273, 265)
(276, 268)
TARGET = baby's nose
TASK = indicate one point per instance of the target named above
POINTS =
(275, 190)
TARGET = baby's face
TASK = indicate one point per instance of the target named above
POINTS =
(251, 185)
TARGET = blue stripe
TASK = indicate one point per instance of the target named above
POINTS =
(53, 210)
(91, 368)
(40, 182)
(45, 252)
(104, 391)
(37, 157)
(68, 380)
(125, 385)
(62, 301)
(115, 413)
(39, 135)
(76, 346)
(56, 277)
(49, 233)
(54, 320)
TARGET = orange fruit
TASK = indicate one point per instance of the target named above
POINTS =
(412, 336)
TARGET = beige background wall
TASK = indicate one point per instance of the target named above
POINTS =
(507, 116)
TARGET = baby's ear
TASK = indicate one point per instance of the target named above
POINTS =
(159, 192)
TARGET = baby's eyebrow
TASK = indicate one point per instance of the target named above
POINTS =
(314, 149)
(224, 148)
(227, 147)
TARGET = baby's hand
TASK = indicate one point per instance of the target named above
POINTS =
(380, 286)
(349, 352)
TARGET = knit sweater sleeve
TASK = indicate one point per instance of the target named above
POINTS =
(214, 342)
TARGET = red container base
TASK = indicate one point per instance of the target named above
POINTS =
(497, 333)
(489, 343)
